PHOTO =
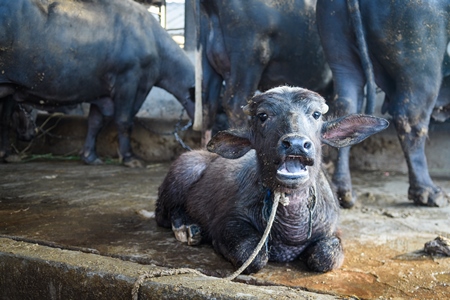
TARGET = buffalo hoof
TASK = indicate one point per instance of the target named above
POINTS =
(133, 163)
(91, 159)
(343, 187)
(432, 197)
(325, 255)
(347, 199)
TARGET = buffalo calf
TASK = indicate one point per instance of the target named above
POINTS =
(225, 196)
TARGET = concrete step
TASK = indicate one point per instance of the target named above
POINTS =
(31, 271)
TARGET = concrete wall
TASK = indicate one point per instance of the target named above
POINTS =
(151, 140)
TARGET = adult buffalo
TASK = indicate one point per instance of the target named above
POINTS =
(256, 45)
(109, 53)
(405, 42)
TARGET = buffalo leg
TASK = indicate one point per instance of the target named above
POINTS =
(6, 109)
(345, 104)
(337, 39)
(124, 129)
(240, 86)
(123, 119)
(95, 123)
(412, 130)
(211, 88)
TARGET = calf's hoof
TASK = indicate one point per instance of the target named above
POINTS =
(190, 234)
(429, 196)
(180, 232)
(194, 234)
(325, 255)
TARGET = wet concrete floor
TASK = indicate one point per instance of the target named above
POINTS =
(107, 210)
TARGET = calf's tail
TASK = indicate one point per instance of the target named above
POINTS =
(355, 16)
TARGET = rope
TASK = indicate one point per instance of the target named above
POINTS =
(276, 200)
(311, 207)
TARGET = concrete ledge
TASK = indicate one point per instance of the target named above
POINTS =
(31, 271)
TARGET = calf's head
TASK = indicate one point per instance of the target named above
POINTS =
(286, 129)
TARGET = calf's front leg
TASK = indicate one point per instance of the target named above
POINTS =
(324, 255)
(236, 242)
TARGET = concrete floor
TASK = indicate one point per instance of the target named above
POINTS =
(71, 231)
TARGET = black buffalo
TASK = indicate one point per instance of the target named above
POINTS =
(225, 197)
(109, 53)
(256, 45)
(405, 43)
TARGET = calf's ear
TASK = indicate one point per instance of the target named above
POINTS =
(230, 144)
(351, 129)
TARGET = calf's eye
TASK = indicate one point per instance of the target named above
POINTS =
(316, 115)
(262, 117)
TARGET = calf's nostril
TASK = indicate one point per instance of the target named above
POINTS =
(286, 144)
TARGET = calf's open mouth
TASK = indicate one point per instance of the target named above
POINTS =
(294, 167)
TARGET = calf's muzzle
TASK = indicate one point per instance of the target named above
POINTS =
(296, 145)
(296, 155)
